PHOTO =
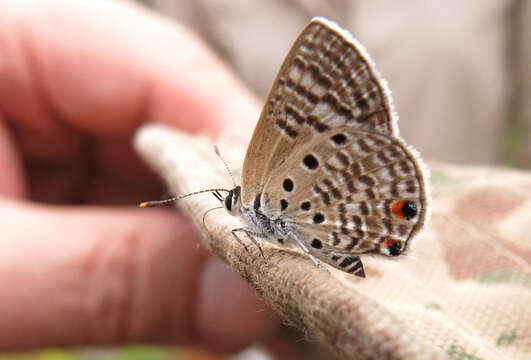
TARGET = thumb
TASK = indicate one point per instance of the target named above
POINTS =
(92, 275)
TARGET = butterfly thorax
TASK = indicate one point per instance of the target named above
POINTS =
(259, 220)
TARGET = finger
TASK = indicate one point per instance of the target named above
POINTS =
(119, 179)
(96, 276)
(75, 70)
(103, 67)
(12, 182)
(224, 306)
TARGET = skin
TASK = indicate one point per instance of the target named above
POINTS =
(78, 266)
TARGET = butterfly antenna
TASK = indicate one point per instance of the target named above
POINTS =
(177, 198)
(224, 163)
(205, 214)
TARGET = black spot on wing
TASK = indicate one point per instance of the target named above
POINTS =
(310, 162)
(287, 184)
(317, 244)
(318, 218)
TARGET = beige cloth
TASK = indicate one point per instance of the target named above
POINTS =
(464, 294)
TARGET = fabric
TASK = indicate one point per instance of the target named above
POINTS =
(463, 293)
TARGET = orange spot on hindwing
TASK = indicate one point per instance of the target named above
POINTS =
(394, 246)
(404, 210)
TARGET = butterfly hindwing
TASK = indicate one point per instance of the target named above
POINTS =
(361, 194)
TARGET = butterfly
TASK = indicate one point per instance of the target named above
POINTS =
(326, 169)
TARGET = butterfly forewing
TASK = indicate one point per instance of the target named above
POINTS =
(326, 81)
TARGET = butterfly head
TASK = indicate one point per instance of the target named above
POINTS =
(231, 202)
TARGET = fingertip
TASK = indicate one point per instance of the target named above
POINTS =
(230, 315)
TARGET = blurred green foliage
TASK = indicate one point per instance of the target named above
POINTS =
(118, 353)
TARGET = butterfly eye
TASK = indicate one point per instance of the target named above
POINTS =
(228, 201)
(234, 198)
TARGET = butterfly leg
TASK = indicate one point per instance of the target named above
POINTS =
(308, 253)
(233, 231)
(254, 241)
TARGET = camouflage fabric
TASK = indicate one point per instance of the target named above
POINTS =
(464, 292)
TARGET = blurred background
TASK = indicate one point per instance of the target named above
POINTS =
(457, 69)
(458, 72)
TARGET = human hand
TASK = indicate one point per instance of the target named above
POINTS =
(76, 80)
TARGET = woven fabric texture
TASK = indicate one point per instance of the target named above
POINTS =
(463, 293)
